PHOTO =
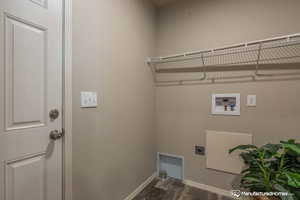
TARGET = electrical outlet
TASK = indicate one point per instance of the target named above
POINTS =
(251, 100)
(200, 150)
(88, 99)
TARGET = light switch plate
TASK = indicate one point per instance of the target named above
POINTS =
(88, 99)
(251, 100)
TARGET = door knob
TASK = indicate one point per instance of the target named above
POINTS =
(53, 114)
(55, 135)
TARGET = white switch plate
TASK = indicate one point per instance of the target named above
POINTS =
(251, 100)
(88, 99)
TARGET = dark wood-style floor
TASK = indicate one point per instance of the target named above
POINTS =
(173, 189)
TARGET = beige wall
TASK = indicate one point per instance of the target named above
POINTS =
(114, 144)
(183, 112)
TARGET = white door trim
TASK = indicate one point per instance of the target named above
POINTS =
(67, 101)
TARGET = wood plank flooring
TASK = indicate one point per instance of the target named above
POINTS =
(173, 189)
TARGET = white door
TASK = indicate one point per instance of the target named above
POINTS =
(30, 86)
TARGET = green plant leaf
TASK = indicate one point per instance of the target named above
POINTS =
(257, 175)
(296, 192)
(271, 169)
(248, 157)
(280, 188)
(293, 179)
(290, 197)
(291, 141)
(272, 148)
(252, 179)
(294, 168)
(293, 147)
(257, 187)
(243, 147)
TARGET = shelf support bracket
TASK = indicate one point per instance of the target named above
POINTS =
(181, 82)
(204, 68)
(257, 63)
(153, 69)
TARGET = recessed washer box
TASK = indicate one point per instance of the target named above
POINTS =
(172, 164)
(226, 104)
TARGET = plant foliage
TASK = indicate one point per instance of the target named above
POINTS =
(272, 168)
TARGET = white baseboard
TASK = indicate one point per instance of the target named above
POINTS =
(208, 188)
(141, 187)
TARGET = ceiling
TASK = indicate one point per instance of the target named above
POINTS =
(162, 2)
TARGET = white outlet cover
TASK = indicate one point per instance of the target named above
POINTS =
(88, 99)
(251, 100)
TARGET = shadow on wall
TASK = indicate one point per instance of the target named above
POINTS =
(229, 74)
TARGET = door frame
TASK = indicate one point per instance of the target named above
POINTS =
(67, 99)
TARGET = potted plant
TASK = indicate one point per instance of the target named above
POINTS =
(272, 168)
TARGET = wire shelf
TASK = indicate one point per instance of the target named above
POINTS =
(274, 51)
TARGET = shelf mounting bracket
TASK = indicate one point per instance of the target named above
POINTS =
(257, 62)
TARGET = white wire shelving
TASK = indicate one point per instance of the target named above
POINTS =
(268, 52)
